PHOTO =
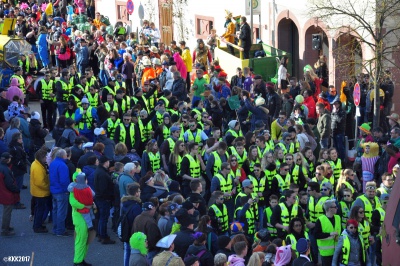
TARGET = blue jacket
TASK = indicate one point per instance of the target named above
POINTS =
(59, 176)
(89, 172)
(78, 117)
(3, 146)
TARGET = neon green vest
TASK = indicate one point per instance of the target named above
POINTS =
(286, 216)
(222, 217)
(346, 249)
(194, 166)
(368, 208)
(326, 246)
(86, 119)
(122, 133)
(47, 89)
(225, 185)
(155, 161)
(271, 229)
(111, 126)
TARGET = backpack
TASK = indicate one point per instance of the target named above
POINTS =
(124, 227)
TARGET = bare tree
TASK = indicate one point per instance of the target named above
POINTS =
(374, 24)
(179, 17)
(150, 10)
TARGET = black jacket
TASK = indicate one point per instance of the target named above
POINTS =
(274, 104)
(245, 36)
(109, 146)
(19, 158)
(76, 154)
(235, 79)
(183, 240)
(179, 89)
(37, 133)
(338, 121)
(83, 159)
(103, 185)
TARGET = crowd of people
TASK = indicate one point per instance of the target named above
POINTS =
(193, 168)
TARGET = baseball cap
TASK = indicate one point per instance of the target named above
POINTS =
(147, 206)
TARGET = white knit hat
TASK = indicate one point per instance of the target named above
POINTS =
(35, 115)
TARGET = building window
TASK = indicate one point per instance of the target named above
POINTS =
(256, 32)
(203, 26)
(122, 13)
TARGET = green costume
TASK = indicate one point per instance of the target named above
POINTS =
(81, 238)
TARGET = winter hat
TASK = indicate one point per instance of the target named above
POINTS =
(80, 181)
(223, 241)
(166, 114)
(260, 101)
(302, 245)
(85, 100)
(138, 241)
(283, 255)
(35, 115)
(327, 185)
(143, 112)
(366, 128)
(232, 124)
(174, 128)
(352, 222)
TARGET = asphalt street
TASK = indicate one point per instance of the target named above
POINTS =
(29, 248)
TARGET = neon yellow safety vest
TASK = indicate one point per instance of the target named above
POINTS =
(345, 213)
(114, 108)
(178, 164)
(110, 91)
(221, 216)
(198, 113)
(65, 87)
(217, 162)
(234, 133)
(77, 100)
(250, 219)
(47, 89)
(225, 185)
(84, 89)
(326, 246)
(368, 208)
(271, 229)
(364, 229)
(346, 250)
(382, 190)
(171, 144)
(117, 86)
(86, 119)
(316, 209)
(270, 176)
(21, 82)
(283, 148)
(234, 174)
(259, 185)
(337, 168)
(155, 161)
(111, 126)
(122, 133)
(67, 115)
(165, 100)
(295, 174)
(252, 163)
(71, 81)
(93, 99)
(382, 214)
(293, 241)
(240, 159)
(166, 132)
(160, 118)
(286, 216)
(145, 130)
(191, 137)
(347, 184)
(283, 183)
(194, 166)
(254, 206)
(125, 104)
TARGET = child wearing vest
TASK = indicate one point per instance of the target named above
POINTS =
(84, 195)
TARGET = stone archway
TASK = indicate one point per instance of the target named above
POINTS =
(288, 41)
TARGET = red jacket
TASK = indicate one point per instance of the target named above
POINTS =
(84, 196)
(310, 103)
(9, 192)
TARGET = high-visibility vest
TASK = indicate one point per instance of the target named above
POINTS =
(194, 165)
(47, 89)
(364, 229)
(155, 161)
(93, 99)
(145, 130)
(259, 185)
(110, 91)
(84, 89)
(222, 217)
(327, 245)
(160, 118)
(346, 250)
(383, 190)
(71, 81)
(217, 162)
(166, 132)
(283, 148)
(382, 214)
(68, 115)
(283, 183)
(65, 87)
(337, 168)
(114, 107)
(225, 184)
(21, 82)
(191, 137)
(125, 104)
(122, 133)
(86, 119)
(165, 100)
(345, 209)
(198, 113)
(254, 206)
(293, 241)
(250, 219)
(234, 174)
(316, 209)
(171, 144)
(118, 86)
(295, 174)
(90, 82)
(240, 159)
(285, 215)
(77, 100)
(271, 229)
(111, 126)
(347, 184)
(252, 163)
(234, 133)
(368, 208)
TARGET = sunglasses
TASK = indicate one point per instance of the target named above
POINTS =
(288, 139)
(256, 170)
(353, 227)
(233, 160)
(127, 119)
(228, 169)
(289, 159)
(182, 145)
(325, 189)
(191, 125)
